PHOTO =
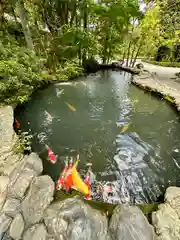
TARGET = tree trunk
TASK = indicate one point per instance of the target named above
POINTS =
(137, 53)
(73, 14)
(85, 27)
(3, 5)
(128, 53)
(25, 25)
(132, 54)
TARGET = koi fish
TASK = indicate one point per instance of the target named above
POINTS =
(17, 124)
(51, 155)
(87, 182)
(60, 182)
(49, 117)
(73, 109)
(58, 93)
(124, 128)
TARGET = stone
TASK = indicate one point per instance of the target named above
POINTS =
(6, 129)
(12, 207)
(139, 66)
(23, 174)
(177, 74)
(36, 232)
(128, 222)
(91, 65)
(17, 227)
(6, 236)
(38, 198)
(5, 222)
(172, 197)
(12, 161)
(22, 183)
(34, 161)
(3, 190)
(75, 220)
(166, 223)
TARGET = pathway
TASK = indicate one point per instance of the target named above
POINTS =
(160, 79)
(163, 75)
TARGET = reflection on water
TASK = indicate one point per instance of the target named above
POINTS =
(141, 162)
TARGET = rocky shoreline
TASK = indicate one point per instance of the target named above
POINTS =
(28, 212)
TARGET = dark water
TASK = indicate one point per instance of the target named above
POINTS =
(140, 163)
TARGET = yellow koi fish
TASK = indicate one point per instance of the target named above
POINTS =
(70, 107)
(124, 128)
(78, 183)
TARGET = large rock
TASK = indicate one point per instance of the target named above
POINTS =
(17, 227)
(5, 222)
(128, 222)
(3, 190)
(166, 223)
(167, 219)
(7, 140)
(23, 174)
(12, 161)
(91, 65)
(12, 207)
(6, 129)
(38, 198)
(172, 197)
(6, 236)
(73, 220)
(36, 232)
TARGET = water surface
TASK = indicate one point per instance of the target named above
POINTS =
(140, 163)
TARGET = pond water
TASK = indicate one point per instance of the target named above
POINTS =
(141, 162)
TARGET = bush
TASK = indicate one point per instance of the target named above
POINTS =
(21, 72)
(163, 64)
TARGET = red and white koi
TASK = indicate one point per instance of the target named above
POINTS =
(51, 156)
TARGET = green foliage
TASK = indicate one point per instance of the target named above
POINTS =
(164, 64)
(49, 40)
(19, 72)
(23, 143)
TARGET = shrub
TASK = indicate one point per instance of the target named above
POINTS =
(21, 71)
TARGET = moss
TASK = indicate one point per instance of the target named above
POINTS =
(169, 99)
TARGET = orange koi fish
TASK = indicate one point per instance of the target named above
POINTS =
(73, 109)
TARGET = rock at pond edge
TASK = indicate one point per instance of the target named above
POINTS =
(38, 198)
(128, 222)
(17, 227)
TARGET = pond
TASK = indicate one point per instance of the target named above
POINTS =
(88, 117)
